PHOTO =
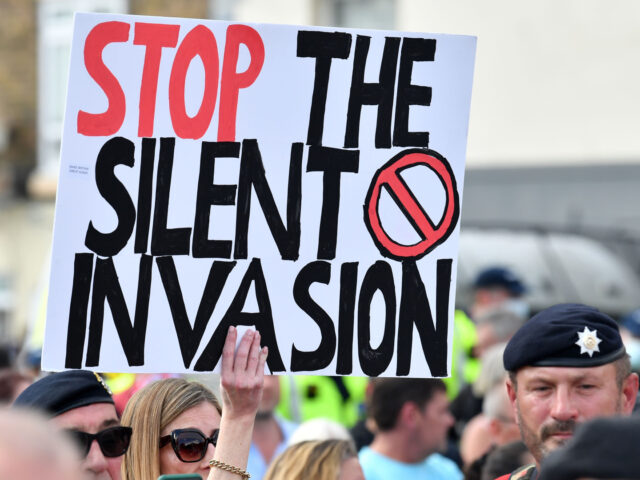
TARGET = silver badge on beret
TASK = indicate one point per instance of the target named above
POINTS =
(588, 341)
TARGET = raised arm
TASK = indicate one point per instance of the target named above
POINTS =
(241, 390)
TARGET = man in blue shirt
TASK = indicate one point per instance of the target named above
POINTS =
(411, 417)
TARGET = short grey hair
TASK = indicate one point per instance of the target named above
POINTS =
(496, 402)
(504, 322)
(491, 370)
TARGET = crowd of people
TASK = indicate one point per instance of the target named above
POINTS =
(538, 398)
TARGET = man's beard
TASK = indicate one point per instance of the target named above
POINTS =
(566, 426)
(538, 443)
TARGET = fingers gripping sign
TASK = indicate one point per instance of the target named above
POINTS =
(241, 379)
(242, 372)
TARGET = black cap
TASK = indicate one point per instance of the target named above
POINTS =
(600, 448)
(500, 277)
(565, 335)
(63, 391)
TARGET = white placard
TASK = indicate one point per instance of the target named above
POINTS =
(304, 181)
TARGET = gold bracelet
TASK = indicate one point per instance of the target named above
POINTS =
(229, 468)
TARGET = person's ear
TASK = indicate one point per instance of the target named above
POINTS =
(495, 427)
(511, 392)
(408, 414)
(629, 393)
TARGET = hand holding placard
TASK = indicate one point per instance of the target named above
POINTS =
(242, 374)
(241, 384)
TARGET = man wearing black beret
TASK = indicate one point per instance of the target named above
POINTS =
(80, 402)
(566, 365)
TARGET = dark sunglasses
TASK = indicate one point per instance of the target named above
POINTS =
(190, 444)
(113, 441)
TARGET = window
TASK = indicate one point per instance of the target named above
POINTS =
(378, 14)
(55, 31)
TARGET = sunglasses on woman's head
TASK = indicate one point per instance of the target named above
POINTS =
(113, 441)
(190, 444)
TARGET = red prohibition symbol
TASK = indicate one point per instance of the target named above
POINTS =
(388, 176)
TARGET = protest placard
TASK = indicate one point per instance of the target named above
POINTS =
(304, 181)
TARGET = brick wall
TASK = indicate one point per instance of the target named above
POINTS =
(18, 81)
(170, 8)
(18, 75)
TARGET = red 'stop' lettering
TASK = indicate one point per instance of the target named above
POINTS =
(232, 81)
(110, 121)
(199, 41)
(155, 37)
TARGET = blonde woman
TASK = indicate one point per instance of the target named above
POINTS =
(317, 460)
(179, 426)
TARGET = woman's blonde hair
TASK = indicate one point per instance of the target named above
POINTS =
(312, 460)
(148, 412)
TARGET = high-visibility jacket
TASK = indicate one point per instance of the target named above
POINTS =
(464, 367)
(304, 397)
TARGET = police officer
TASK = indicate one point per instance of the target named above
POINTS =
(566, 365)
